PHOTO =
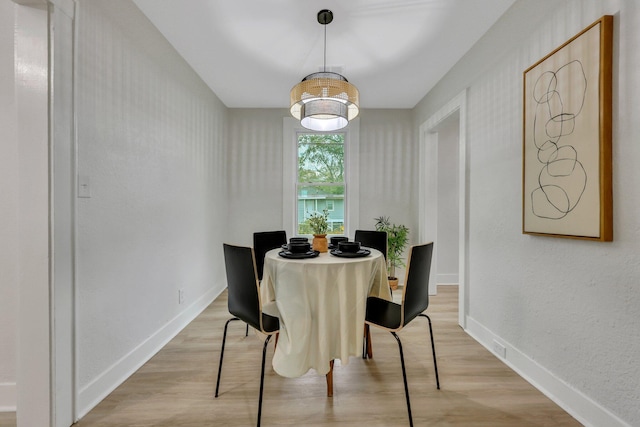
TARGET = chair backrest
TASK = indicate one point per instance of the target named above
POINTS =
(415, 298)
(263, 242)
(373, 239)
(243, 300)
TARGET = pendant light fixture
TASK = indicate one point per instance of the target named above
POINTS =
(324, 101)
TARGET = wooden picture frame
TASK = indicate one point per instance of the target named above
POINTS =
(566, 174)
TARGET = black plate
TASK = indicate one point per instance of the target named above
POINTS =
(302, 255)
(361, 253)
(330, 246)
(285, 247)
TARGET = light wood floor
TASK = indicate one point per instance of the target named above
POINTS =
(175, 388)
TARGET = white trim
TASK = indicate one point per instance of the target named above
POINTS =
(428, 206)
(65, 6)
(290, 129)
(114, 376)
(62, 166)
(34, 323)
(7, 397)
(573, 401)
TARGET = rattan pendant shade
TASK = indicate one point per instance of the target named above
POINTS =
(324, 101)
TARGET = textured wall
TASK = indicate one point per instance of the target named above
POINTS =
(448, 200)
(569, 306)
(255, 172)
(387, 171)
(151, 146)
(152, 138)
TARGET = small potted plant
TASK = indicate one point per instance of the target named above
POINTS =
(397, 239)
(319, 224)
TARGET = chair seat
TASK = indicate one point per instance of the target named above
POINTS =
(270, 324)
(384, 313)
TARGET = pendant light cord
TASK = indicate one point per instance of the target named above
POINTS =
(324, 64)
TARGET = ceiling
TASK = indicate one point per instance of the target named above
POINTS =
(252, 52)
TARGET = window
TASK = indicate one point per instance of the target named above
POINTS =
(320, 180)
(300, 196)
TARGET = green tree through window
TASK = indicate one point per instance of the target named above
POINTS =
(320, 180)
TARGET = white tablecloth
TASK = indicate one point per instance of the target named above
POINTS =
(321, 305)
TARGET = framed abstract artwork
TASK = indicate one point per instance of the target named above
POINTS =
(566, 178)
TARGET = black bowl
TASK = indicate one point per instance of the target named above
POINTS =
(298, 239)
(337, 239)
(299, 247)
(349, 246)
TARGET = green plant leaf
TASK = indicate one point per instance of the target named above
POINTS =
(397, 239)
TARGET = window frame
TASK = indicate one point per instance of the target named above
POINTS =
(333, 207)
(291, 130)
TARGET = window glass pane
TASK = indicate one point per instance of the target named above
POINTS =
(320, 181)
(321, 158)
(316, 198)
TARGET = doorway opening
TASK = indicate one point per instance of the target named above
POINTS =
(443, 197)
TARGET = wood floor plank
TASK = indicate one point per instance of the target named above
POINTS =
(7, 419)
(175, 388)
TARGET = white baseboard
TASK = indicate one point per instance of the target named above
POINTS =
(7, 397)
(447, 279)
(576, 403)
(109, 380)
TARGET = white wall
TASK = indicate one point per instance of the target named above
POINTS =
(388, 183)
(388, 169)
(255, 173)
(566, 310)
(8, 212)
(151, 142)
(448, 205)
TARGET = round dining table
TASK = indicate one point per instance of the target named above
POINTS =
(321, 303)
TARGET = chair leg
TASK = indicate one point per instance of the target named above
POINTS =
(264, 356)
(246, 333)
(224, 338)
(364, 341)
(433, 350)
(404, 377)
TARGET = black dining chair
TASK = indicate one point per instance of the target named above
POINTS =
(415, 300)
(244, 303)
(372, 239)
(263, 242)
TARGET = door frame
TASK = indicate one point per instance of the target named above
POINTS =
(46, 374)
(428, 209)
